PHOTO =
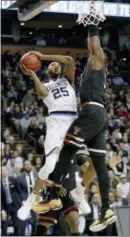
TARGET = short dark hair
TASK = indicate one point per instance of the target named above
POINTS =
(108, 54)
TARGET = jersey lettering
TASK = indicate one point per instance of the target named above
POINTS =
(59, 92)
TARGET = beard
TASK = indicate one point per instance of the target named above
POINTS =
(54, 75)
(27, 170)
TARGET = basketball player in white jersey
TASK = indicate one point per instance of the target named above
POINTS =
(59, 96)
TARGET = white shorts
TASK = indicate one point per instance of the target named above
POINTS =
(57, 127)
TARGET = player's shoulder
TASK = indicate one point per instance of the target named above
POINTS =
(48, 83)
(65, 78)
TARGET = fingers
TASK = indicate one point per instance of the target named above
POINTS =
(32, 52)
(26, 71)
(61, 190)
(38, 54)
(23, 66)
(22, 69)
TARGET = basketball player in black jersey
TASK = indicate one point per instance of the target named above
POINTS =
(89, 128)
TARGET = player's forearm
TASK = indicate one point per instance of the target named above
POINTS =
(94, 42)
(58, 58)
(41, 90)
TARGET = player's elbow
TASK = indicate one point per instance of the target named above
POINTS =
(42, 93)
(99, 55)
(70, 59)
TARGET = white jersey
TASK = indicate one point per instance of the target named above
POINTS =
(61, 96)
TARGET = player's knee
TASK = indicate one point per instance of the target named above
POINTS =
(47, 169)
(81, 159)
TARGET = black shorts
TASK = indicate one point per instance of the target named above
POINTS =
(89, 129)
(53, 216)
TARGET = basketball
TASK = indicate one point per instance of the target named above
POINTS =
(31, 61)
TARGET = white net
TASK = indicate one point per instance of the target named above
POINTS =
(91, 13)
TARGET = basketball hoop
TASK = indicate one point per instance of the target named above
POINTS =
(91, 13)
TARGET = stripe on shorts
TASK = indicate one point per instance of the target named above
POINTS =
(97, 150)
(75, 138)
(51, 151)
(74, 143)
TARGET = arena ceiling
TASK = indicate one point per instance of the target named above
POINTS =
(52, 20)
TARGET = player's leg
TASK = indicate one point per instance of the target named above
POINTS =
(71, 214)
(72, 143)
(85, 128)
(56, 130)
(77, 194)
(43, 175)
(45, 221)
(72, 219)
(97, 149)
(87, 173)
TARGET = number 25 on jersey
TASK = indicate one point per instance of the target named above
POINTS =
(60, 92)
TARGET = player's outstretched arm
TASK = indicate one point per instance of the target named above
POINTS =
(67, 60)
(94, 44)
(41, 89)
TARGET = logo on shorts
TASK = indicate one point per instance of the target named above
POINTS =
(76, 130)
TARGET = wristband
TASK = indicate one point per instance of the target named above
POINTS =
(92, 30)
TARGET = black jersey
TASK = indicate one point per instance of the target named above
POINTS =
(93, 85)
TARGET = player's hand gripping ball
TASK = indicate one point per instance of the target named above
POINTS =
(31, 61)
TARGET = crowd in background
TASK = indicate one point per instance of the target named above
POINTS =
(24, 116)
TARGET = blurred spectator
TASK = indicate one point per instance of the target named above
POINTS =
(20, 83)
(92, 190)
(16, 117)
(30, 156)
(10, 202)
(39, 118)
(23, 108)
(11, 142)
(12, 93)
(24, 186)
(95, 212)
(15, 161)
(29, 98)
(111, 199)
(19, 149)
(24, 124)
(33, 129)
(113, 180)
(118, 80)
(118, 198)
(16, 171)
(25, 182)
(38, 163)
(124, 186)
(6, 134)
(120, 168)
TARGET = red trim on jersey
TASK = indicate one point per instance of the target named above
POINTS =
(70, 208)
(66, 140)
(69, 135)
(47, 218)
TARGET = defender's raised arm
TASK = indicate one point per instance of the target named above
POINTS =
(94, 44)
